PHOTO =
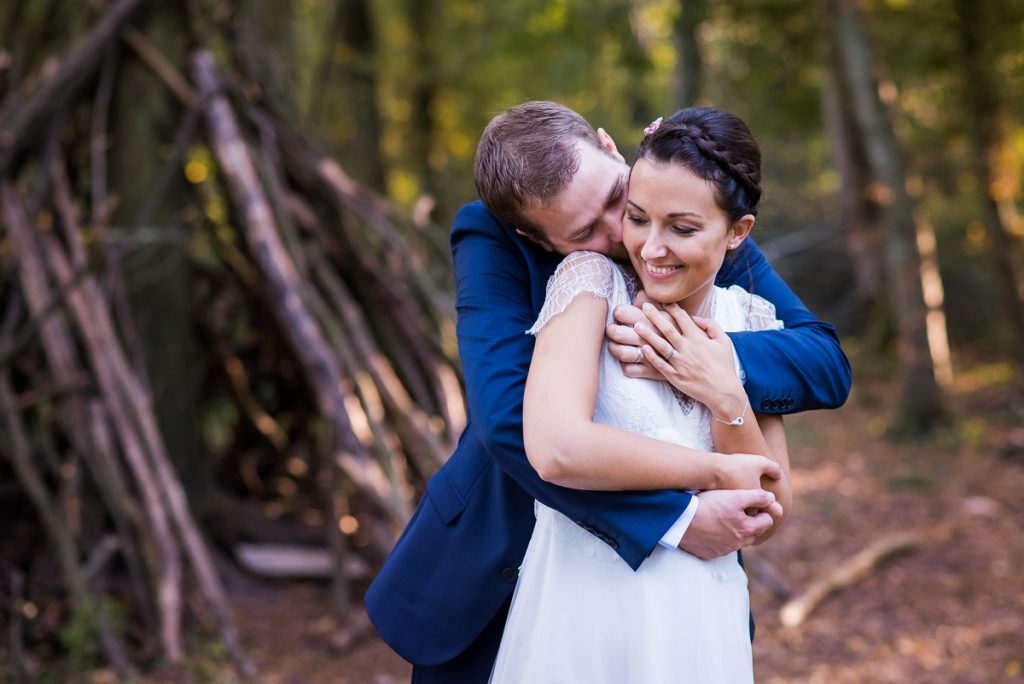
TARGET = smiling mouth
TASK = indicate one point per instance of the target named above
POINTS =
(660, 270)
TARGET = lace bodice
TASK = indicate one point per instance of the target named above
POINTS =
(647, 407)
(581, 272)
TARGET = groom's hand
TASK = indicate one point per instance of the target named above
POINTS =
(722, 523)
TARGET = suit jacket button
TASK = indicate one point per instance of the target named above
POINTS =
(765, 404)
(509, 574)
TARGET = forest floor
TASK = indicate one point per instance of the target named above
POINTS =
(949, 610)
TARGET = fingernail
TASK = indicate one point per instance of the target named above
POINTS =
(647, 306)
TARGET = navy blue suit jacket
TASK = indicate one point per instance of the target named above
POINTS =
(455, 564)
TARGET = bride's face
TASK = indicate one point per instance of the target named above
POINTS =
(675, 232)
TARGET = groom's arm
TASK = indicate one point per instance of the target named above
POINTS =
(492, 281)
(796, 369)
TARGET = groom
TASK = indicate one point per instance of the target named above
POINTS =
(552, 185)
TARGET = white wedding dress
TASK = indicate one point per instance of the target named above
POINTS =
(579, 612)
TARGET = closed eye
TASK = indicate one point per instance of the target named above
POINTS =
(583, 237)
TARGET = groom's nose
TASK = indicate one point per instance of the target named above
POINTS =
(613, 223)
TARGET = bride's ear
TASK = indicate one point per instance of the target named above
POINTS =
(740, 230)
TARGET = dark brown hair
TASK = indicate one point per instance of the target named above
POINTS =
(716, 146)
(526, 156)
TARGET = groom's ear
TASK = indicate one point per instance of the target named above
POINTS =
(535, 239)
(608, 145)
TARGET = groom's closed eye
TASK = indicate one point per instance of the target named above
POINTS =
(614, 197)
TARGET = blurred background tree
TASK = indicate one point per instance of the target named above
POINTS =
(284, 318)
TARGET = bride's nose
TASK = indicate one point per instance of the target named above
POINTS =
(653, 248)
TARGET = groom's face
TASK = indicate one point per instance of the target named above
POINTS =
(587, 213)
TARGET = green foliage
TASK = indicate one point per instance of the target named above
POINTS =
(80, 636)
(615, 61)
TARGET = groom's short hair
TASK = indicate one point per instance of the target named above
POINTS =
(526, 156)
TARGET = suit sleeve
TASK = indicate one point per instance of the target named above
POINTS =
(493, 301)
(796, 369)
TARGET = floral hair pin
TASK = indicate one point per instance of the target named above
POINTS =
(654, 125)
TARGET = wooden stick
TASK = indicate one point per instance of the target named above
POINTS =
(23, 672)
(80, 418)
(409, 420)
(25, 118)
(107, 469)
(291, 560)
(280, 276)
(845, 574)
(406, 283)
(127, 390)
(159, 65)
(98, 139)
(97, 342)
(56, 527)
(380, 441)
(234, 369)
(53, 305)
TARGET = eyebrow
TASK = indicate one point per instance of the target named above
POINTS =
(674, 214)
(615, 189)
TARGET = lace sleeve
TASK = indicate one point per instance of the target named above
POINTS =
(579, 272)
(759, 313)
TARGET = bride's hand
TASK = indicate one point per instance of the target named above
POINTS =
(695, 355)
(749, 471)
(625, 344)
(780, 488)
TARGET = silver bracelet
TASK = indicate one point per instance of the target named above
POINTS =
(737, 420)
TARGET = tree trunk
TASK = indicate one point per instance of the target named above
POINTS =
(859, 213)
(689, 65)
(155, 312)
(266, 44)
(987, 121)
(921, 404)
(423, 16)
(351, 65)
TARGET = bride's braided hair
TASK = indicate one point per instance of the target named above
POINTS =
(716, 146)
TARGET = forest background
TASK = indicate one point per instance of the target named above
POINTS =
(227, 354)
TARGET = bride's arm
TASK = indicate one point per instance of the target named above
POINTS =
(756, 433)
(717, 386)
(775, 436)
(759, 434)
(568, 448)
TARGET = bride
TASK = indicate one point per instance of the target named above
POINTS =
(580, 613)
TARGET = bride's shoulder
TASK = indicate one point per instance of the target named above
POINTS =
(588, 268)
(579, 273)
(586, 261)
(743, 311)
